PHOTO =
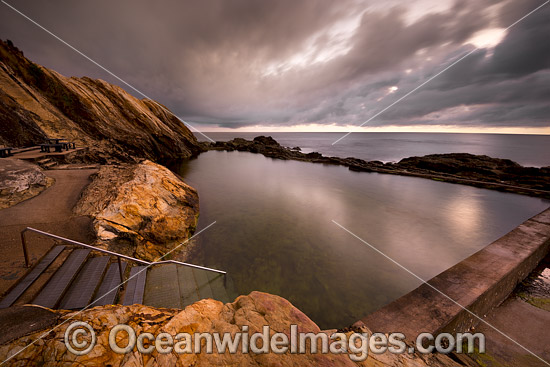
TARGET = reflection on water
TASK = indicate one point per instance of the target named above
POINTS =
(274, 229)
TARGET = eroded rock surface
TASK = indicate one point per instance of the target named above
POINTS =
(142, 210)
(20, 180)
(206, 316)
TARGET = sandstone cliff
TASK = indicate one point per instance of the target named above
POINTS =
(141, 210)
(36, 103)
(206, 316)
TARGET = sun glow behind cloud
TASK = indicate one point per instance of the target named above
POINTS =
(487, 38)
(306, 66)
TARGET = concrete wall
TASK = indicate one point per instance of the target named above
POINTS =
(479, 283)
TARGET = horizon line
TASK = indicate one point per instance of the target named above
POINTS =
(505, 131)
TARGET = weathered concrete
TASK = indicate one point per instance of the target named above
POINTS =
(479, 283)
(18, 321)
(524, 324)
(35, 155)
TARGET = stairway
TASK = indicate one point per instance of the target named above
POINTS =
(177, 286)
(46, 163)
(82, 279)
(78, 280)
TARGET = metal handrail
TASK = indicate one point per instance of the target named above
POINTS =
(119, 256)
(190, 265)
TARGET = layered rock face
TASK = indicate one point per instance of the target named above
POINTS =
(142, 210)
(206, 316)
(36, 103)
(20, 180)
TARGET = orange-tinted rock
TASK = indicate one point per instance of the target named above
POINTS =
(206, 316)
(143, 210)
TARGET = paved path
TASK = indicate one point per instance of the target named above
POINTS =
(36, 153)
(50, 211)
(525, 324)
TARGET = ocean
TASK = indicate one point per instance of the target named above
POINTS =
(527, 150)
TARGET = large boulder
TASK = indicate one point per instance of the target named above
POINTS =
(20, 180)
(142, 210)
(206, 316)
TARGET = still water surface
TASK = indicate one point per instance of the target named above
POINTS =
(274, 229)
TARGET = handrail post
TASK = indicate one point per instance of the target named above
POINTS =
(120, 269)
(111, 253)
(24, 243)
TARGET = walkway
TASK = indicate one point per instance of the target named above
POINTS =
(50, 211)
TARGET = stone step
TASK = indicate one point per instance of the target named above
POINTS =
(83, 288)
(178, 286)
(218, 286)
(187, 285)
(162, 288)
(48, 165)
(111, 284)
(203, 283)
(135, 286)
(232, 292)
(31, 276)
(58, 284)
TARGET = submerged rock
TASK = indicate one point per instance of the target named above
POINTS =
(206, 316)
(142, 210)
(20, 180)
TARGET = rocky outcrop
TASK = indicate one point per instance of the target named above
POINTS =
(36, 103)
(462, 168)
(480, 167)
(206, 316)
(142, 210)
(20, 180)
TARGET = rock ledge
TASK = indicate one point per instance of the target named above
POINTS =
(141, 210)
(19, 181)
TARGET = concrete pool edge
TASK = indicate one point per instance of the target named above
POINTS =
(480, 282)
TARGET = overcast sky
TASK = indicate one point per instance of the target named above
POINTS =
(309, 65)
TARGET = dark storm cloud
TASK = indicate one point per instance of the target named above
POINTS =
(511, 85)
(285, 62)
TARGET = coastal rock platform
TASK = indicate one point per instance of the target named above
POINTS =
(462, 168)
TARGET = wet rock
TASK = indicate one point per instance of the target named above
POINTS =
(20, 180)
(266, 140)
(142, 210)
